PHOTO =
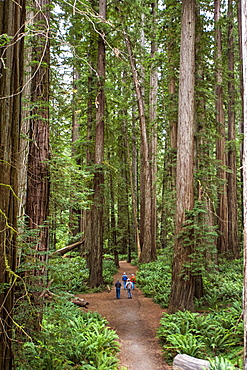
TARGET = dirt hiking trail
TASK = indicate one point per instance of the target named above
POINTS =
(135, 321)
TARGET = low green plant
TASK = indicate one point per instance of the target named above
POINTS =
(69, 338)
(109, 270)
(188, 343)
(69, 274)
(154, 280)
(207, 335)
(220, 363)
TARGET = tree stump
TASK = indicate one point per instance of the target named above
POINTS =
(185, 362)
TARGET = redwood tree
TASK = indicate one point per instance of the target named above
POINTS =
(222, 212)
(95, 244)
(244, 54)
(183, 280)
(12, 18)
(232, 152)
(38, 182)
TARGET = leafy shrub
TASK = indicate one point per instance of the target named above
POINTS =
(69, 274)
(69, 338)
(154, 280)
(109, 269)
(219, 363)
(203, 336)
(223, 285)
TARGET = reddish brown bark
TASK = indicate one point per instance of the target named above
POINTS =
(244, 55)
(153, 99)
(38, 182)
(222, 212)
(12, 18)
(183, 281)
(96, 211)
(232, 175)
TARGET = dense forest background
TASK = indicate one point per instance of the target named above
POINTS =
(122, 129)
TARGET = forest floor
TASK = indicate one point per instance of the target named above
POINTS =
(135, 320)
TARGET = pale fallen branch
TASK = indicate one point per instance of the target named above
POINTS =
(66, 249)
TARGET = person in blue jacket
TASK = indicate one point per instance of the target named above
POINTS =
(118, 287)
(124, 279)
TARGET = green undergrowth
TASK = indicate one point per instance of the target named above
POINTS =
(69, 339)
(154, 279)
(205, 336)
(216, 330)
(71, 274)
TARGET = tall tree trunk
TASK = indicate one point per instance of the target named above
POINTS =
(37, 204)
(25, 122)
(232, 175)
(241, 120)
(172, 68)
(75, 219)
(87, 222)
(244, 51)
(123, 208)
(222, 213)
(133, 165)
(96, 242)
(153, 98)
(183, 281)
(12, 18)
(113, 222)
(147, 253)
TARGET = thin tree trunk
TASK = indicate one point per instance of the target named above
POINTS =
(133, 165)
(25, 122)
(222, 213)
(113, 223)
(153, 98)
(244, 51)
(12, 18)
(75, 217)
(183, 281)
(147, 254)
(232, 175)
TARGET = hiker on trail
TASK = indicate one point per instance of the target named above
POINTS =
(124, 279)
(129, 287)
(118, 287)
(133, 280)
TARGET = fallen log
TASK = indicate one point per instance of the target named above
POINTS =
(80, 302)
(66, 249)
(185, 362)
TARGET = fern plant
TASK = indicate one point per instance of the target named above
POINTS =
(220, 363)
(69, 338)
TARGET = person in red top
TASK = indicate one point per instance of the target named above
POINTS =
(133, 280)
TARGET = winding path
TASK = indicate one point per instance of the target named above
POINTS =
(135, 321)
